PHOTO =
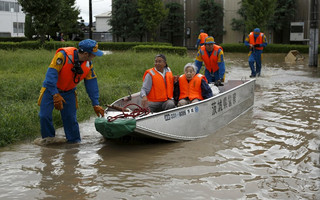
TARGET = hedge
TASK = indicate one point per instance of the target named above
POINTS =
(52, 45)
(127, 45)
(270, 48)
(13, 39)
(163, 49)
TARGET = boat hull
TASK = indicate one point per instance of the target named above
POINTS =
(197, 120)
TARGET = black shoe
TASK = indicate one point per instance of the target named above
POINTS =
(252, 76)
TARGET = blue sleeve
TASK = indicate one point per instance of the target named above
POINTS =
(222, 67)
(198, 65)
(206, 91)
(246, 43)
(264, 44)
(50, 82)
(198, 42)
(92, 90)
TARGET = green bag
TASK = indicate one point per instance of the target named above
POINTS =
(115, 129)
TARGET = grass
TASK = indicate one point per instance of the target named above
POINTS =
(23, 71)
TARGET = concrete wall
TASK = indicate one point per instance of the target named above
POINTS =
(230, 11)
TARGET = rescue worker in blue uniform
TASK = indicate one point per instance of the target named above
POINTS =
(202, 36)
(213, 58)
(68, 67)
(256, 41)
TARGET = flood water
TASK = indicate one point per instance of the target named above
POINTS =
(270, 152)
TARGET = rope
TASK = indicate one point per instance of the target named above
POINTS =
(139, 111)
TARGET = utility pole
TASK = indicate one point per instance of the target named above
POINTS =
(90, 19)
(184, 22)
(314, 34)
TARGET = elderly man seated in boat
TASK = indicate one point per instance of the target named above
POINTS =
(157, 88)
(191, 87)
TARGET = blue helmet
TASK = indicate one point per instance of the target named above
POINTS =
(90, 46)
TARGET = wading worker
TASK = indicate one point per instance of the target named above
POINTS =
(213, 58)
(68, 67)
(256, 41)
(157, 87)
(202, 36)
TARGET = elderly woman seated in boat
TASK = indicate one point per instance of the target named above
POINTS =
(157, 87)
(191, 87)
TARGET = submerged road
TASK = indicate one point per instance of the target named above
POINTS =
(270, 152)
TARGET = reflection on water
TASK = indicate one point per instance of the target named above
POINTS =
(270, 152)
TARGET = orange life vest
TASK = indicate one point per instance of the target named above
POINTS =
(203, 37)
(211, 62)
(66, 76)
(161, 90)
(191, 89)
(259, 40)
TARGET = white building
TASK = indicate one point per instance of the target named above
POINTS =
(102, 28)
(12, 19)
(102, 21)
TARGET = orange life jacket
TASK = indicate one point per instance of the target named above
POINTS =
(211, 62)
(161, 90)
(191, 89)
(66, 76)
(203, 37)
(259, 40)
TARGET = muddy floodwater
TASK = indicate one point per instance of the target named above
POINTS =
(270, 152)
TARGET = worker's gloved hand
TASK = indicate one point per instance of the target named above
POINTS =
(218, 83)
(256, 45)
(98, 110)
(58, 101)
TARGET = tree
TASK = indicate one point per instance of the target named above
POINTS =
(173, 25)
(153, 13)
(211, 18)
(43, 13)
(138, 26)
(269, 14)
(258, 13)
(126, 21)
(68, 16)
(29, 30)
(47, 15)
(280, 22)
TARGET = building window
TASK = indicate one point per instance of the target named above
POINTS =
(9, 6)
(18, 27)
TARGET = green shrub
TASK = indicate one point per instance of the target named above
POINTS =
(283, 48)
(270, 48)
(13, 39)
(182, 51)
(122, 46)
(53, 45)
(234, 47)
